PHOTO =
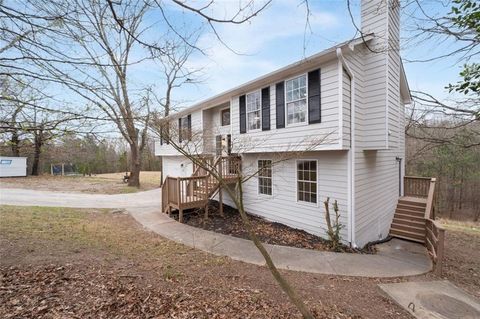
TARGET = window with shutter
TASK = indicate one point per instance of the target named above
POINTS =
(253, 111)
(296, 99)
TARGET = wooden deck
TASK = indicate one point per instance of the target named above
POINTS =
(180, 193)
(414, 217)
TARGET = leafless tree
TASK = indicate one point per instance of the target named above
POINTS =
(194, 149)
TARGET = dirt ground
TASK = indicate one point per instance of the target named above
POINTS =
(59, 263)
(98, 184)
(268, 232)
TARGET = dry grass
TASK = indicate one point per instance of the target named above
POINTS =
(470, 227)
(97, 184)
(146, 177)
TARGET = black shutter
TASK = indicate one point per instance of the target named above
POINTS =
(229, 144)
(243, 115)
(314, 105)
(218, 145)
(180, 130)
(266, 109)
(189, 123)
(280, 104)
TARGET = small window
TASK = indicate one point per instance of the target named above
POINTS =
(307, 181)
(265, 177)
(253, 111)
(296, 99)
(5, 162)
(225, 114)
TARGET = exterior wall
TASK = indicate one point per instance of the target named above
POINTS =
(379, 123)
(376, 62)
(176, 166)
(195, 146)
(212, 126)
(324, 135)
(13, 166)
(346, 108)
(283, 206)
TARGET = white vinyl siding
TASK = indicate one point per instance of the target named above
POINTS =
(196, 144)
(319, 136)
(253, 111)
(283, 206)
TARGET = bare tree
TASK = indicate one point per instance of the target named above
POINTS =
(221, 171)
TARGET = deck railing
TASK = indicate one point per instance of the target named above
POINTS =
(187, 192)
(435, 238)
(424, 187)
(416, 186)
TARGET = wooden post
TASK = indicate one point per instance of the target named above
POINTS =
(63, 169)
(220, 197)
(180, 215)
(206, 212)
(440, 251)
(167, 198)
(51, 169)
(431, 192)
(179, 196)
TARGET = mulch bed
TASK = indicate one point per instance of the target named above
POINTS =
(268, 232)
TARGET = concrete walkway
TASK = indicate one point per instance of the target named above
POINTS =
(395, 258)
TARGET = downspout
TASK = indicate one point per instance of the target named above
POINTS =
(351, 152)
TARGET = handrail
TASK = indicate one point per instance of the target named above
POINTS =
(418, 177)
(430, 198)
(434, 240)
(416, 186)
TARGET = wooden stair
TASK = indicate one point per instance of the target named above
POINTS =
(181, 193)
(409, 219)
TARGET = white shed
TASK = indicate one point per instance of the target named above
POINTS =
(13, 166)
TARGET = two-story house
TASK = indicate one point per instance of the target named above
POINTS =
(330, 125)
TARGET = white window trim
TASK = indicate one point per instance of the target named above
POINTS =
(258, 176)
(227, 108)
(246, 112)
(301, 202)
(285, 99)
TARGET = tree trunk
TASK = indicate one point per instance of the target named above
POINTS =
(15, 141)
(37, 152)
(135, 166)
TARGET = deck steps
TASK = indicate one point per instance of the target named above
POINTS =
(409, 219)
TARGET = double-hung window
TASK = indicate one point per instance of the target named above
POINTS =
(307, 181)
(253, 111)
(296, 99)
(265, 177)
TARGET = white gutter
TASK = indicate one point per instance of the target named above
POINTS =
(351, 152)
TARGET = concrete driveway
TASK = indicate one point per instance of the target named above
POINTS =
(29, 197)
(395, 258)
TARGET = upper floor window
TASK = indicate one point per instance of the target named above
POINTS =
(307, 181)
(296, 99)
(265, 177)
(253, 111)
(225, 116)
